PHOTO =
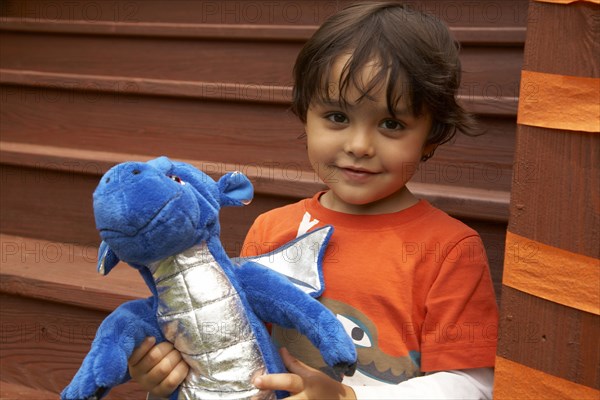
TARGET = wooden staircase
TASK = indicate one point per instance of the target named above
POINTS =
(85, 85)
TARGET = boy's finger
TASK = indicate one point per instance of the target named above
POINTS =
(141, 351)
(154, 356)
(294, 365)
(290, 382)
(167, 363)
(171, 382)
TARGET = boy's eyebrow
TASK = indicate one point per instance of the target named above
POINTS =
(398, 112)
(402, 112)
(336, 102)
(327, 101)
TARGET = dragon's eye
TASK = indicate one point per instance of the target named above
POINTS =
(177, 179)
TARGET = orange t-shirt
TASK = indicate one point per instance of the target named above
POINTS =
(412, 288)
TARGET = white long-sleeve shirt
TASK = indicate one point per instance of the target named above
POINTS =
(469, 384)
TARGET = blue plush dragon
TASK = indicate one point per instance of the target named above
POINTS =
(161, 217)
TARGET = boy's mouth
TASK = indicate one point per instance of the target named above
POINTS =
(358, 170)
(356, 173)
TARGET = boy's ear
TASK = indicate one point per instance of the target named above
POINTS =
(235, 189)
(107, 259)
(428, 151)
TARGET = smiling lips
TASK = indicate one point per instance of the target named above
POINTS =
(356, 174)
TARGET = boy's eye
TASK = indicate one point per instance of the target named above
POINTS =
(338, 118)
(391, 124)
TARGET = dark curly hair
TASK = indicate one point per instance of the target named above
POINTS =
(413, 48)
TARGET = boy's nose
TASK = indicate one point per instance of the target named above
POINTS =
(359, 143)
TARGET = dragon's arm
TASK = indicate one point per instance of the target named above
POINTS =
(105, 366)
(275, 299)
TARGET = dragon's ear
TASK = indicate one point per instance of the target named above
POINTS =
(107, 259)
(235, 189)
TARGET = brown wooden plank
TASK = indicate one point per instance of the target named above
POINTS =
(484, 161)
(438, 182)
(266, 63)
(49, 205)
(184, 60)
(258, 134)
(486, 99)
(43, 344)
(236, 12)
(506, 36)
(12, 391)
(52, 168)
(491, 72)
(66, 273)
(555, 201)
(493, 236)
(237, 132)
(245, 33)
(282, 180)
(554, 197)
(464, 202)
(127, 86)
(555, 191)
(65, 215)
(563, 55)
(550, 337)
(95, 83)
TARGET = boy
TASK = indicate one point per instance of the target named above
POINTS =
(376, 90)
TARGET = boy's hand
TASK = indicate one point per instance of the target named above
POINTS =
(158, 369)
(304, 382)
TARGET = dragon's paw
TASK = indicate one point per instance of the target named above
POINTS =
(103, 368)
(98, 394)
(83, 386)
(341, 369)
(110, 367)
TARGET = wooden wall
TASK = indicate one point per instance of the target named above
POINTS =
(549, 343)
(87, 84)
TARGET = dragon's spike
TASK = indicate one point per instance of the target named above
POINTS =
(299, 260)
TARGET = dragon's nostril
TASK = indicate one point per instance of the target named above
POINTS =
(136, 172)
(107, 180)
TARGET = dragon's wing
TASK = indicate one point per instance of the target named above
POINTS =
(299, 260)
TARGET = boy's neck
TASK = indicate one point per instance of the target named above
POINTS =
(396, 202)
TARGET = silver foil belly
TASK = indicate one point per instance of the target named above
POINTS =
(200, 312)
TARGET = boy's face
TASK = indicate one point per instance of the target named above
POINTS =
(360, 151)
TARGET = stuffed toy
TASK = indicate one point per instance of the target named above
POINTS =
(161, 217)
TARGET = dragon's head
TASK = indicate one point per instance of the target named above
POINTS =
(148, 211)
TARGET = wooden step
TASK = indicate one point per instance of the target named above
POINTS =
(109, 83)
(51, 192)
(259, 135)
(65, 179)
(86, 85)
(245, 15)
(236, 26)
(45, 343)
(269, 179)
(13, 391)
(491, 103)
(267, 62)
(65, 273)
(52, 303)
